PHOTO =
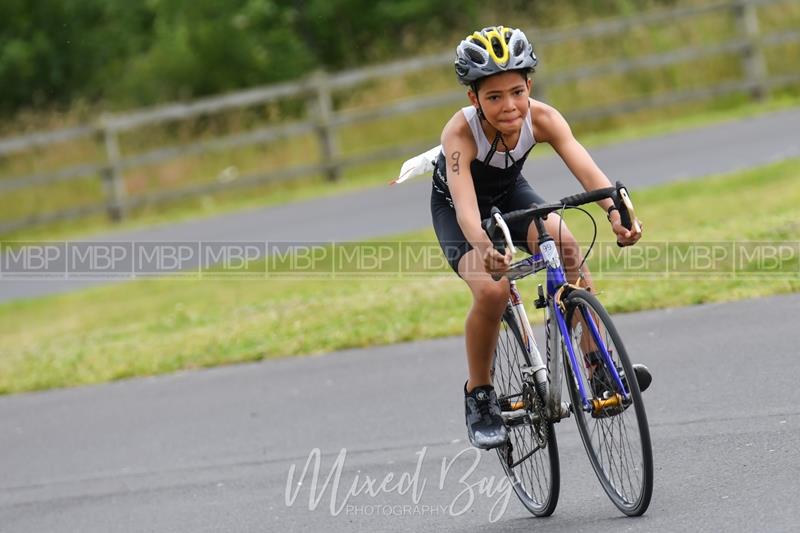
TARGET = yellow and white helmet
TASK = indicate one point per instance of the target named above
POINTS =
(493, 50)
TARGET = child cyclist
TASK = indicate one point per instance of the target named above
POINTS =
(484, 146)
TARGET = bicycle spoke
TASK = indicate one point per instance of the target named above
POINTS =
(616, 436)
(534, 473)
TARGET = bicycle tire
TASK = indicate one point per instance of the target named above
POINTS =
(537, 479)
(623, 464)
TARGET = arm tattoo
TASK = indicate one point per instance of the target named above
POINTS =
(456, 156)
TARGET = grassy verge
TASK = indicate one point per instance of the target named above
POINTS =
(157, 326)
(375, 175)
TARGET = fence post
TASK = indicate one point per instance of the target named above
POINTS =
(753, 63)
(322, 106)
(113, 181)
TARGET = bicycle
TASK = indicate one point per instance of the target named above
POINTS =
(606, 404)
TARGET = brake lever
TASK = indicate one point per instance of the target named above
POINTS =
(501, 224)
(627, 213)
(497, 224)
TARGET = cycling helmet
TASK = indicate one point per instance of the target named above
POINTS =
(493, 50)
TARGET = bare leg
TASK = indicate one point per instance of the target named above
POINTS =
(482, 326)
(489, 299)
(571, 257)
(568, 246)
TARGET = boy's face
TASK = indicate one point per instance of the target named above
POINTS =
(504, 100)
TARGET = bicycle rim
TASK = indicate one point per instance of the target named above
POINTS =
(536, 479)
(616, 438)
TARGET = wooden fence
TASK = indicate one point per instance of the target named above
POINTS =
(749, 44)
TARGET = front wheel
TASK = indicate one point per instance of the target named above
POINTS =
(613, 428)
(530, 458)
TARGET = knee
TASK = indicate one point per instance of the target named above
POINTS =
(492, 297)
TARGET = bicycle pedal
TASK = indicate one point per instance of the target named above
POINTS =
(611, 406)
(505, 404)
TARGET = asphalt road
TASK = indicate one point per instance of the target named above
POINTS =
(381, 211)
(212, 450)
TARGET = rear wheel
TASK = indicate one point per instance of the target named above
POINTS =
(614, 430)
(530, 458)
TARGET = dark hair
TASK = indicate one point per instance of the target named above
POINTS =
(524, 72)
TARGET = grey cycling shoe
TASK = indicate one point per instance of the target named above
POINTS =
(601, 383)
(642, 373)
(643, 376)
(485, 426)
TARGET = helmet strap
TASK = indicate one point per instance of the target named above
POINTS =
(474, 87)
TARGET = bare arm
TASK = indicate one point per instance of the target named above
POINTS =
(459, 151)
(550, 127)
(553, 129)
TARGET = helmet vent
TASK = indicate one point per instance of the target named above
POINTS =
(477, 43)
(497, 46)
(475, 56)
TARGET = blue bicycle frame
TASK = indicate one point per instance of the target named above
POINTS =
(549, 258)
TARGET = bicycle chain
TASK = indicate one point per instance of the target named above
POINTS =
(537, 406)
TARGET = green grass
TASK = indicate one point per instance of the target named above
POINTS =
(156, 326)
(375, 175)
